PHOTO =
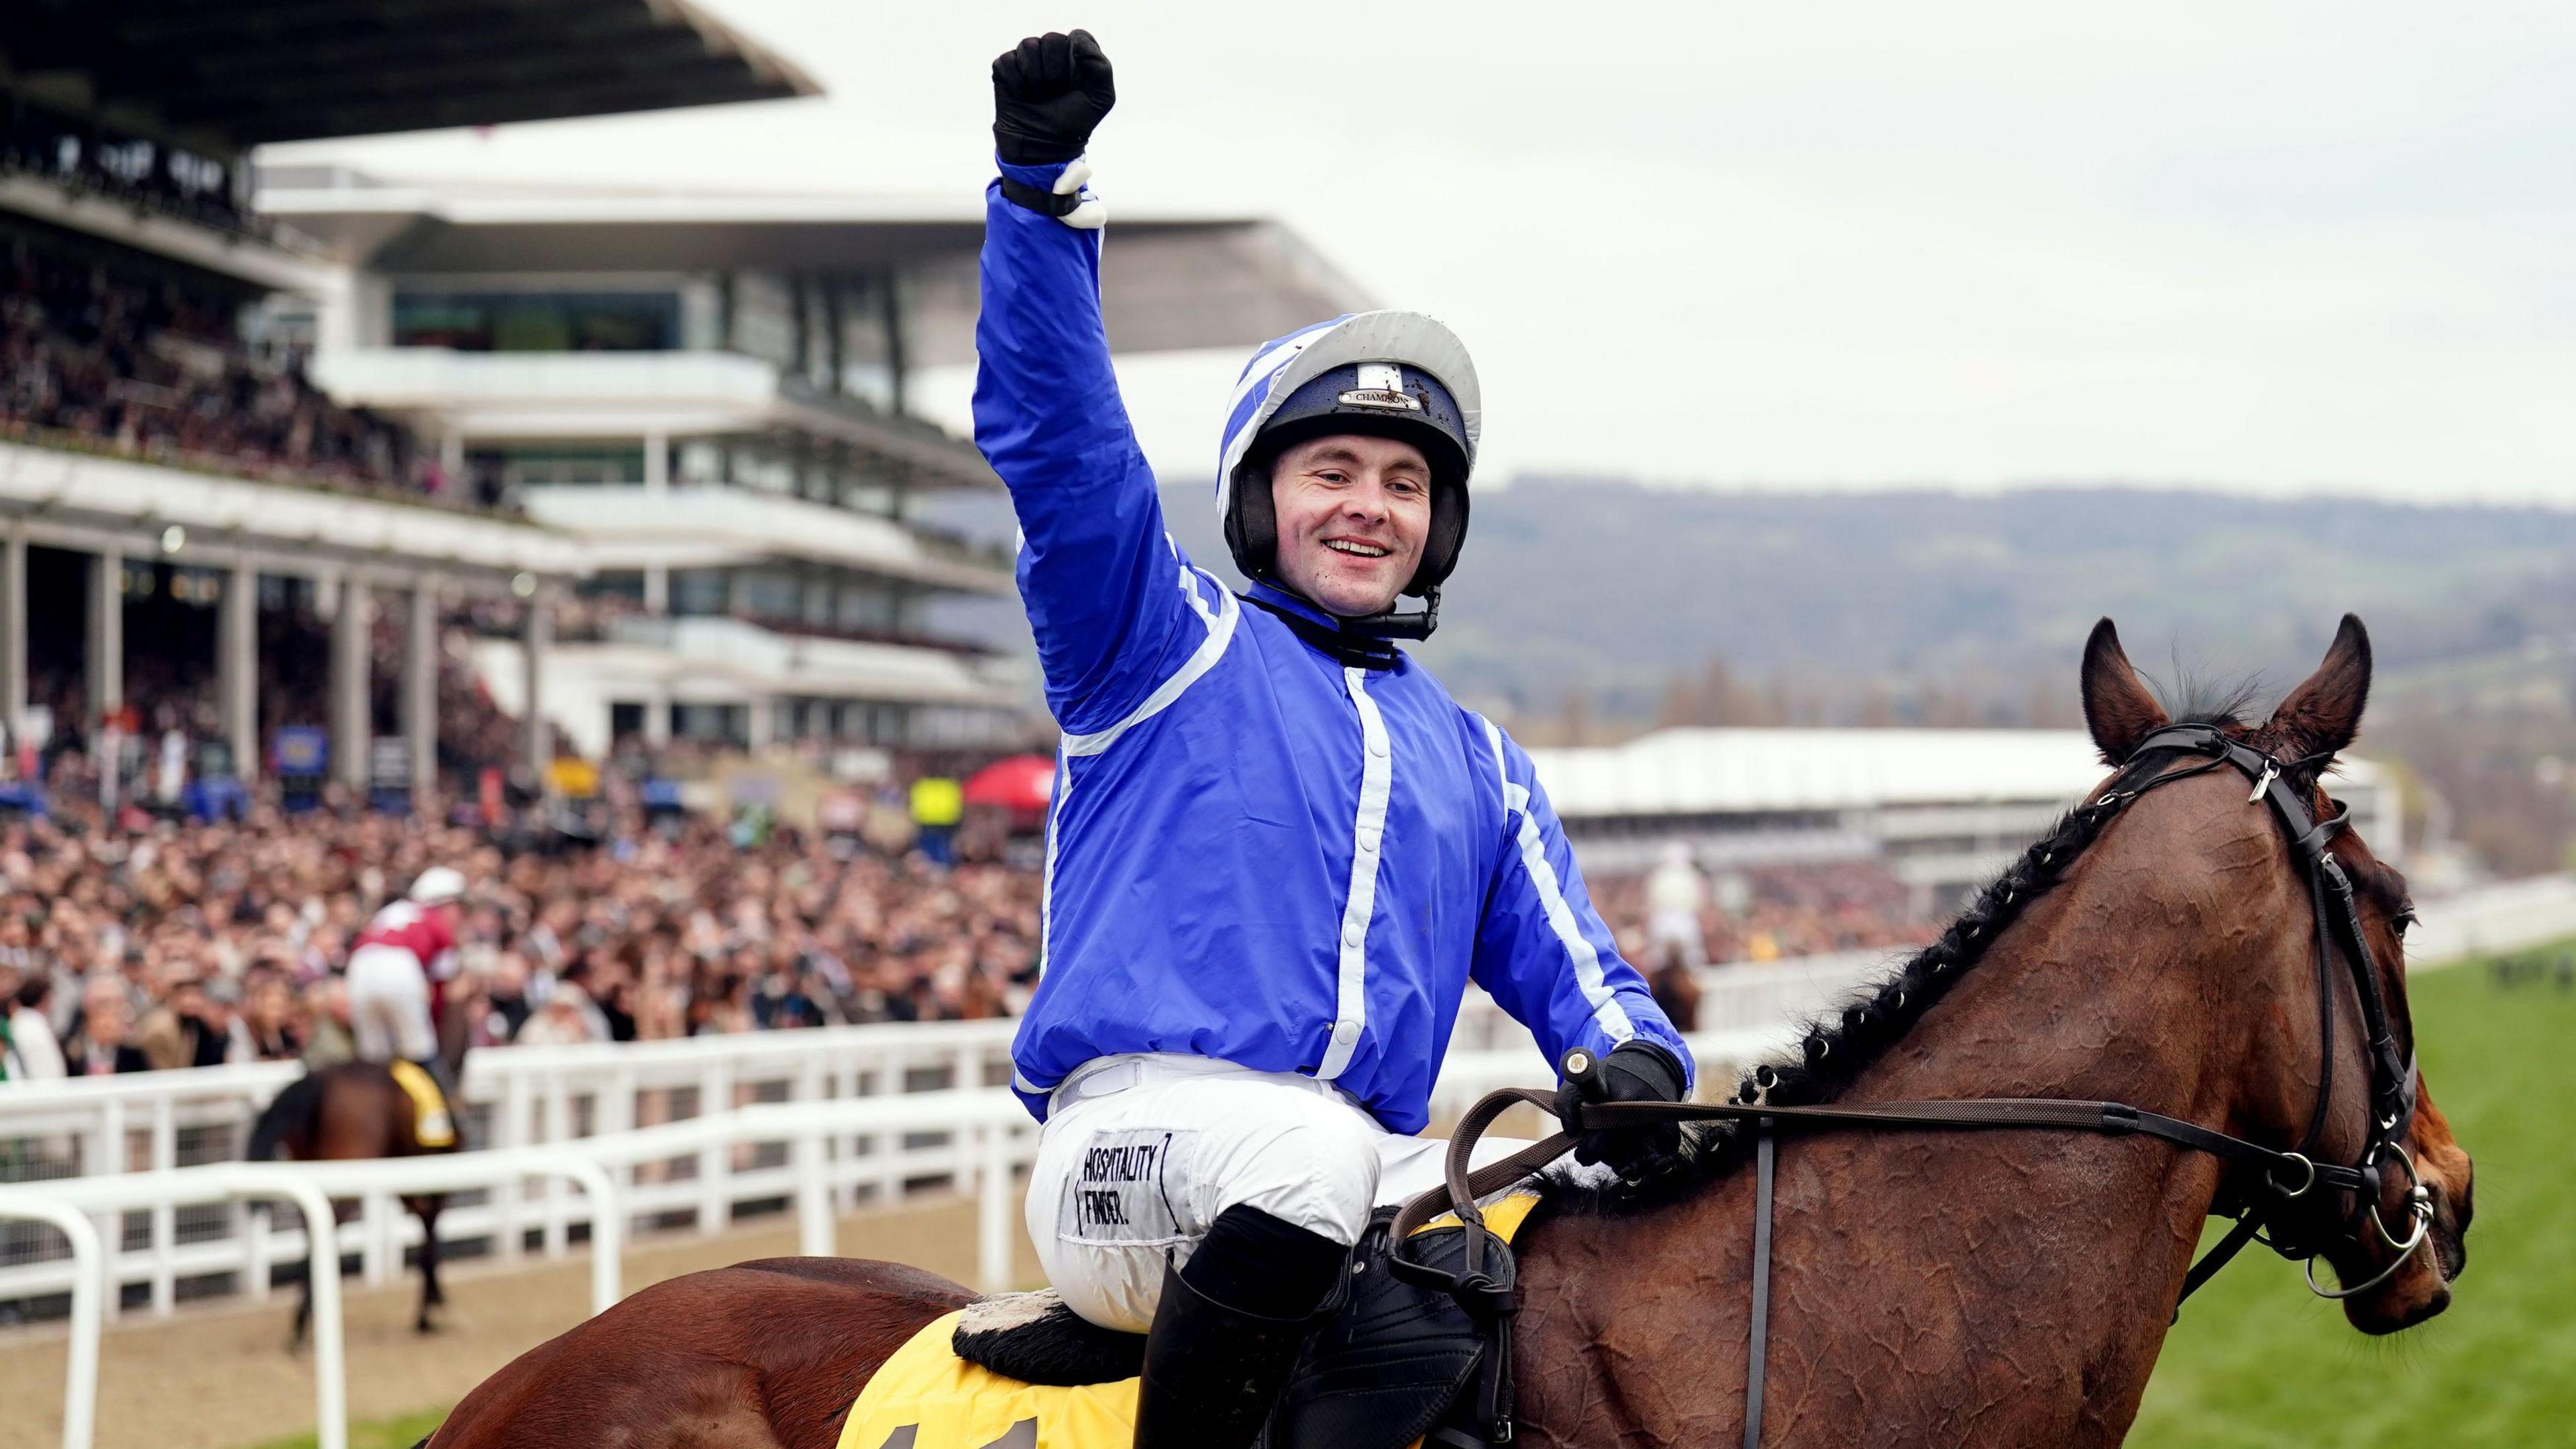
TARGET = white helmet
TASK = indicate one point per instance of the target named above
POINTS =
(437, 886)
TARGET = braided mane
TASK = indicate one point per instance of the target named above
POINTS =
(1840, 1044)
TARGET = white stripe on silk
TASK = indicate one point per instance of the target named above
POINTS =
(1220, 624)
(1046, 891)
(1368, 837)
(1606, 1010)
(1055, 831)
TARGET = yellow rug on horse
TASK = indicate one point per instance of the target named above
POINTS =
(926, 1397)
(431, 1123)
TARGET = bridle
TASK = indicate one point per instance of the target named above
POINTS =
(2271, 1201)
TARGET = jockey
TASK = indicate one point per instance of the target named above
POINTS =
(1278, 850)
(410, 943)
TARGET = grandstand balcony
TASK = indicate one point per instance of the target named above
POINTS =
(752, 684)
(709, 527)
(501, 397)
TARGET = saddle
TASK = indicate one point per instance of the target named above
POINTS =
(1401, 1362)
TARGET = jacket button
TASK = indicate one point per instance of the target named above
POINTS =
(1345, 1032)
(1353, 935)
(1368, 842)
(1377, 746)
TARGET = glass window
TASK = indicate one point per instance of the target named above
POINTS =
(699, 591)
(538, 321)
(769, 593)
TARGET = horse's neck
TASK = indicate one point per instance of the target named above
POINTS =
(1995, 1288)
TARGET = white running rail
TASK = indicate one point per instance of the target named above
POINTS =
(1001, 1134)
(543, 1096)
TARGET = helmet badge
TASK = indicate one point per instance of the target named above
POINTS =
(1381, 385)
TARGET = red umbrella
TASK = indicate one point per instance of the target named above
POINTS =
(1021, 784)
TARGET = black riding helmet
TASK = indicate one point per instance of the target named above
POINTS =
(1370, 374)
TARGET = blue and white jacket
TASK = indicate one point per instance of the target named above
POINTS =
(1254, 853)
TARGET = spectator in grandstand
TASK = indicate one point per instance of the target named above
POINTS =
(33, 1054)
(1675, 895)
(565, 1020)
(125, 356)
(269, 1017)
(99, 1048)
(189, 1028)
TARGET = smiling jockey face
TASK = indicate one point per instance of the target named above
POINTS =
(1352, 512)
(1372, 387)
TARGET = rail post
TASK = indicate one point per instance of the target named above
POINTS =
(89, 1286)
(993, 1209)
(813, 1196)
(322, 1272)
(607, 1230)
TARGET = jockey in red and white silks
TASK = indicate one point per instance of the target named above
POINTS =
(410, 942)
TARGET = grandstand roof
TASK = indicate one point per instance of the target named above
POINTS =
(250, 71)
(1756, 771)
(483, 226)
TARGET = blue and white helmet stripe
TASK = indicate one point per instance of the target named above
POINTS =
(1284, 364)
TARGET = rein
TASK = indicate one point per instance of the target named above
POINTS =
(2265, 1213)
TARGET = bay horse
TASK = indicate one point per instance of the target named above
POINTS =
(1993, 1289)
(354, 1110)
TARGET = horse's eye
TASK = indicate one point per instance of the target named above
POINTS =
(2402, 920)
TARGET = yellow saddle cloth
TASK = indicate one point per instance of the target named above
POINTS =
(430, 1121)
(926, 1397)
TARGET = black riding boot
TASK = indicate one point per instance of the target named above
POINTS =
(1229, 1328)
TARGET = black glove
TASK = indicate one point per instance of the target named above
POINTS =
(1633, 1072)
(1048, 93)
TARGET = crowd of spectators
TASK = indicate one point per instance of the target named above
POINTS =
(1763, 913)
(140, 365)
(179, 944)
(157, 943)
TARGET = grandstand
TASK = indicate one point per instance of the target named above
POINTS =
(196, 539)
(459, 478)
(1943, 811)
(709, 391)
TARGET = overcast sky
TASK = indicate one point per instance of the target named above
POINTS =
(2275, 248)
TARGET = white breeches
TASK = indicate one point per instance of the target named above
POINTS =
(389, 1005)
(1140, 1154)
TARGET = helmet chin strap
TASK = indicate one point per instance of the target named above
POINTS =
(1363, 641)
(1390, 623)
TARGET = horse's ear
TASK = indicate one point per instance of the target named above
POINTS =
(2117, 708)
(2322, 715)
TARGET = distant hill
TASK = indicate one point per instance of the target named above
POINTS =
(1608, 590)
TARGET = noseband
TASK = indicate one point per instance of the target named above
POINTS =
(2272, 1200)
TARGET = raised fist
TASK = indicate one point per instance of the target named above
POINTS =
(1049, 91)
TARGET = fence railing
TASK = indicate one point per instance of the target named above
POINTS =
(160, 1254)
(547, 1096)
(984, 1138)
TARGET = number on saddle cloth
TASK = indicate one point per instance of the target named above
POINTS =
(1398, 1362)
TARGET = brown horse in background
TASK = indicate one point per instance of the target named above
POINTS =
(1928, 1287)
(354, 1110)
